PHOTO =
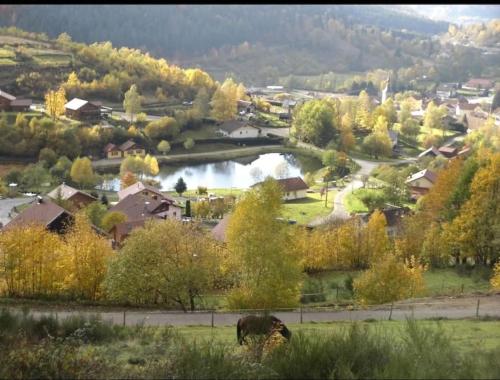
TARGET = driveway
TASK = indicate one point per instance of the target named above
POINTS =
(6, 206)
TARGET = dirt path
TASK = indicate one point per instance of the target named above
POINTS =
(439, 307)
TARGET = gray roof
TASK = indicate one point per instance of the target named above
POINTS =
(6, 95)
(232, 125)
(75, 104)
(66, 192)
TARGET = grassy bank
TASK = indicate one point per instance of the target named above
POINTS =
(83, 347)
(307, 209)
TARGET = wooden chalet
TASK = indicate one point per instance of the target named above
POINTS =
(83, 110)
(10, 103)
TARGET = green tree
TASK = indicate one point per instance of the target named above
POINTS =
(378, 143)
(163, 147)
(82, 172)
(48, 156)
(224, 101)
(180, 186)
(189, 143)
(166, 262)
(95, 211)
(111, 219)
(132, 102)
(268, 273)
(201, 103)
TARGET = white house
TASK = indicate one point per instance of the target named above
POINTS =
(238, 129)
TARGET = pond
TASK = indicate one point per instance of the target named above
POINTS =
(237, 173)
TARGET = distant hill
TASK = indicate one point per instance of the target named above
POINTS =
(257, 43)
(458, 13)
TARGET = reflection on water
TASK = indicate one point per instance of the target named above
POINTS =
(228, 174)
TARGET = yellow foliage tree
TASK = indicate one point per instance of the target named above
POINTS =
(54, 102)
(87, 254)
(127, 179)
(376, 239)
(30, 262)
(495, 279)
(390, 280)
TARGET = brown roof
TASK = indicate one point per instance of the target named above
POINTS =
(232, 125)
(447, 149)
(219, 231)
(109, 147)
(125, 228)
(39, 213)
(474, 82)
(467, 106)
(67, 192)
(290, 184)
(426, 173)
(139, 207)
(138, 187)
(127, 145)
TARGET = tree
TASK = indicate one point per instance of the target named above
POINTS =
(496, 101)
(111, 219)
(202, 209)
(34, 176)
(329, 158)
(267, 268)
(389, 280)
(132, 102)
(166, 262)
(495, 279)
(281, 170)
(377, 240)
(54, 103)
(378, 143)
(87, 256)
(188, 208)
(127, 179)
(201, 103)
(256, 174)
(48, 156)
(95, 211)
(151, 165)
(163, 147)
(180, 186)
(82, 172)
(364, 109)
(347, 140)
(189, 143)
(30, 261)
(433, 117)
(62, 168)
(410, 128)
(224, 101)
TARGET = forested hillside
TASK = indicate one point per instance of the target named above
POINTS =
(257, 43)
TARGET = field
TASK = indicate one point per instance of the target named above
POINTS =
(305, 210)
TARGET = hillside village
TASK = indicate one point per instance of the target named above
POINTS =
(179, 206)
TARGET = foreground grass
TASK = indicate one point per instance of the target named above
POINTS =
(307, 209)
(90, 348)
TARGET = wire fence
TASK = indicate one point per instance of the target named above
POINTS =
(446, 308)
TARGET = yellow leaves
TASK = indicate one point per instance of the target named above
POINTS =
(54, 102)
(495, 280)
(390, 280)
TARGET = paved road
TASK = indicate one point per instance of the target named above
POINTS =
(339, 210)
(6, 206)
(444, 307)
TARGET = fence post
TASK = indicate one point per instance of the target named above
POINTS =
(477, 308)
(212, 318)
(390, 314)
(124, 317)
(301, 316)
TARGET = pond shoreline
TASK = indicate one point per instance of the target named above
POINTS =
(222, 155)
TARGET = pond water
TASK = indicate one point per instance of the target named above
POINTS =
(237, 173)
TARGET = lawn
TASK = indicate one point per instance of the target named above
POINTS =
(218, 192)
(273, 119)
(307, 209)
(353, 202)
(203, 148)
(206, 131)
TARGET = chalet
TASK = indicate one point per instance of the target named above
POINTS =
(83, 110)
(140, 207)
(121, 231)
(478, 84)
(448, 151)
(131, 148)
(473, 120)
(78, 198)
(238, 129)
(421, 182)
(142, 188)
(44, 212)
(431, 152)
(128, 148)
(293, 188)
(9, 102)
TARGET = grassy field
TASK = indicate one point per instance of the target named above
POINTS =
(203, 148)
(353, 202)
(307, 209)
(206, 131)
(218, 192)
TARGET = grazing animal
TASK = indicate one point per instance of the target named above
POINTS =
(260, 325)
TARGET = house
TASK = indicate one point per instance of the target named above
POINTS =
(293, 188)
(473, 120)
(43, 212)
(394, 216)
(141, 207)
(131, 148)
(446, 90)
(142, 188)
(238, 129)
(78, 198)
(128, 148)
(9, 102)
(83, 110)
(245, 106)
(448, 151)
(478, 84)
(431, 152)
(121, 231)
(421, 182)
